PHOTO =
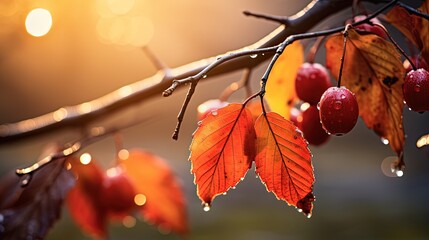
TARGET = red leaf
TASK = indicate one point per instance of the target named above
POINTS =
(29, 212)
(283, 161)
(84, 202)
(158, 189)
(222, 151)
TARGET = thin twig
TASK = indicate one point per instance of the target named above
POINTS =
(313, 50)
(278, 19)
(181, 115)
(413, 11)
(214, 64)
(74, 147)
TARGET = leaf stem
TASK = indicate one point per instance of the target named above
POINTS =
(397, 45)
(214, 64)
(346, 34)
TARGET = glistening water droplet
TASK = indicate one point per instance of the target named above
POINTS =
(384, 141)
(254, 56)
(205, 76)
(417, 88)
(214, 112)
(397, 169)
(343, 96)
(338, 105)
(26, 179)
(206, 207)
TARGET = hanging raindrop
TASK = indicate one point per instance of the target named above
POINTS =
(384, 141)
(206, 207)
(26, 179)
(254, 56)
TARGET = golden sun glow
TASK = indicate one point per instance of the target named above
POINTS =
(38, 22)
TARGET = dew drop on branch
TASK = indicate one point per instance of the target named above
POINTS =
(254, 56)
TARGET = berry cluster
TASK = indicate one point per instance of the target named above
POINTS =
(331, 110)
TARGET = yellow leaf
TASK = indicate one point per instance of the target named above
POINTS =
(280, 89)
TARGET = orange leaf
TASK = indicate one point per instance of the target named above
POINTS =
(280, 89)
(283, 161)
(222, 150)
(158, 190)
(374, 72)
(415, 28)
(84, 201)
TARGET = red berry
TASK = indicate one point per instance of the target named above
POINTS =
(419, 62)
(296, 116)
(369, 28)
(416, 90)
(338, 110)
(118, 192)
(311, 81)
(208, 106)
(312, 128)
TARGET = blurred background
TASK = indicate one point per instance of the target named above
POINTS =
(86, 49)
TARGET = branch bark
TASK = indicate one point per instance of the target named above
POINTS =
(83, 114)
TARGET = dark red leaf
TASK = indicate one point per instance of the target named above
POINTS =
(157, 189)
(283, 161)
(415, 28)
(222, 150)
(29, 212)
(84, 201)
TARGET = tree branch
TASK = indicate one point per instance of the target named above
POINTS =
(83, 114)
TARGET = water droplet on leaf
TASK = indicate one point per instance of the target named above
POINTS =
(214, 112)
(206, 207)
(384, 141)
(254, 56)
(26, 180)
